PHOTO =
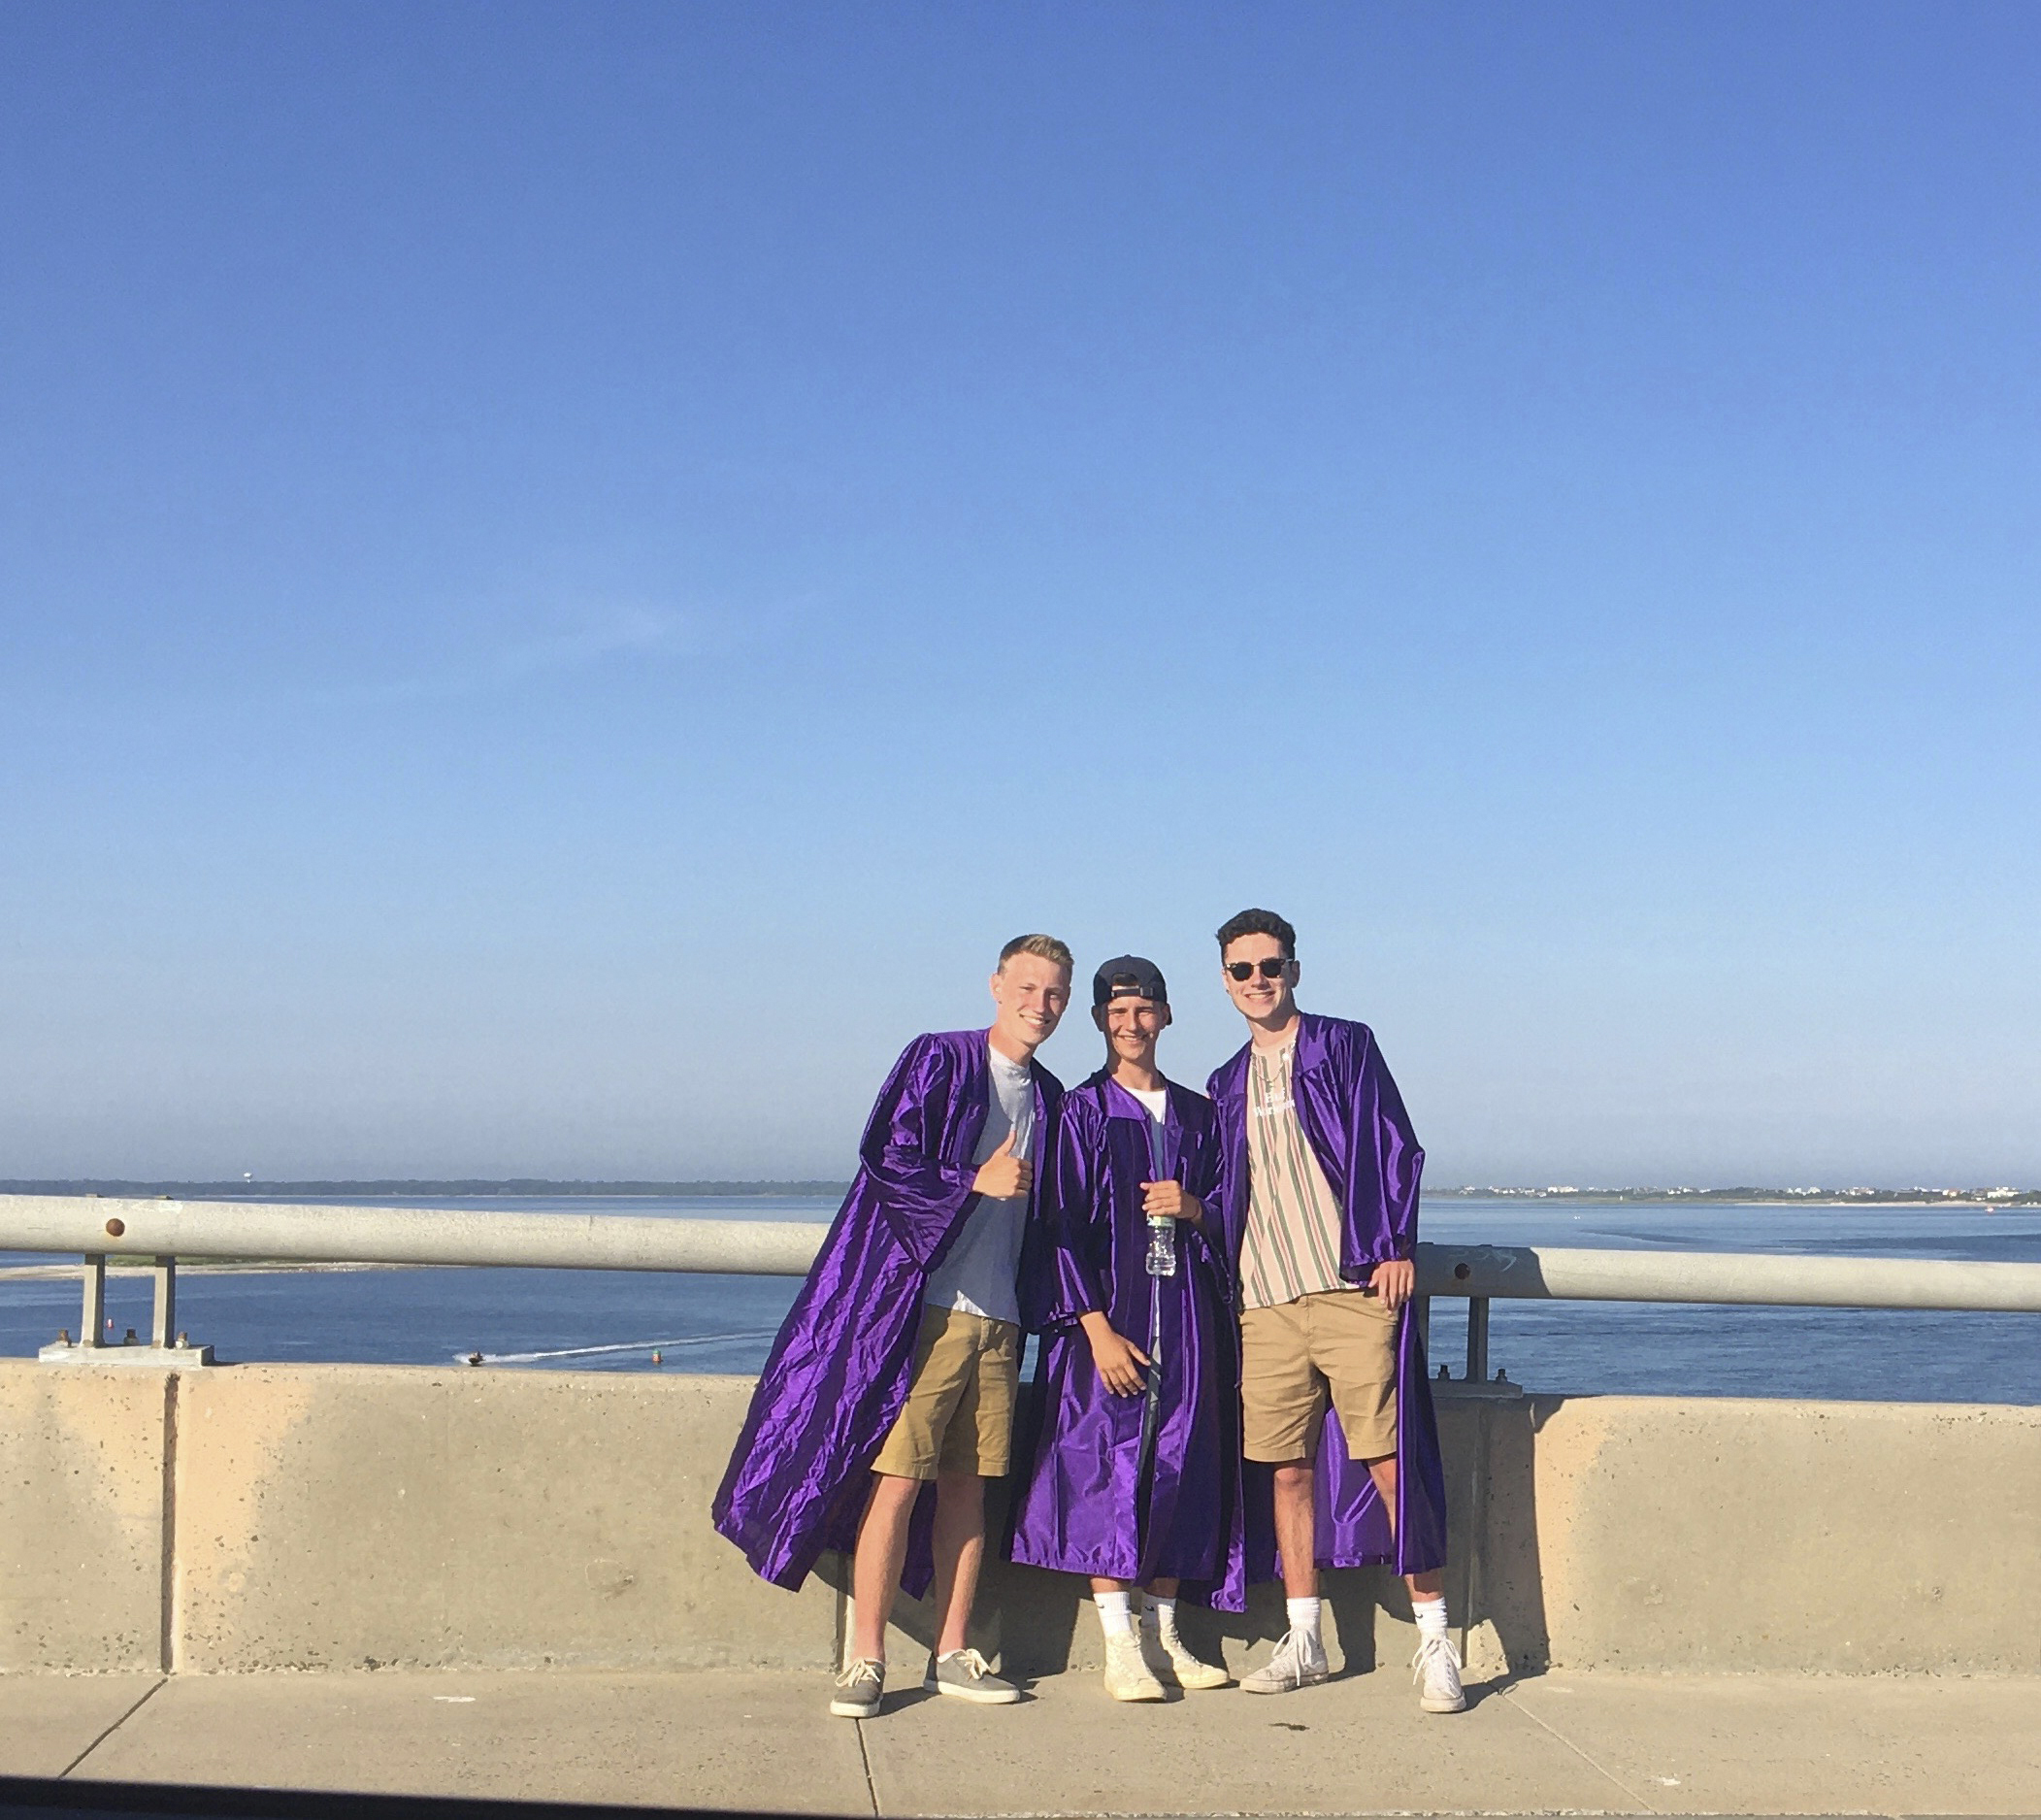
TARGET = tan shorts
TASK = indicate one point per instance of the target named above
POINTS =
(1338, 1346)
(959, 1413)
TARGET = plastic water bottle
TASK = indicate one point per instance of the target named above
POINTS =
(1162, 1247)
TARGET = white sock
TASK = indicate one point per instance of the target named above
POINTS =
(1161, 1613)
(1116, 1612)
(1304, 1619)
(1431, 1616)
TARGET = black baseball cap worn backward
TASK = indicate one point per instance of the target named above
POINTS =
(1128, 978)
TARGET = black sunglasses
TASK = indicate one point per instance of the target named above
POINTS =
(1270, 969)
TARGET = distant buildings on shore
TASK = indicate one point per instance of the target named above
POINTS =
(1900, 1197)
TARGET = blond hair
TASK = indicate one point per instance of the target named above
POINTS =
(1043, 948)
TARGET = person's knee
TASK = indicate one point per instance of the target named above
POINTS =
(891, 1492)
(1292, 1474)
(960, 1490)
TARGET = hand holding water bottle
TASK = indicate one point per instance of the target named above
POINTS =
(1170, 1200)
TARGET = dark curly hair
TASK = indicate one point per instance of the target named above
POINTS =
(1258, 922)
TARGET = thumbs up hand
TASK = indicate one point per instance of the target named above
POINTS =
(1002, 1175)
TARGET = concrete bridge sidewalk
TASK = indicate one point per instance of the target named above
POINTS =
(1587, 1742)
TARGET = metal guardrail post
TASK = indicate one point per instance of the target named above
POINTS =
(1420, 1313)
(95, 1309)
(165, 1325)
(1477, 1339)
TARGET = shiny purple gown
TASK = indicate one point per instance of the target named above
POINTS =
(1079, 1506)
(839, 1370)
(1354, 1120)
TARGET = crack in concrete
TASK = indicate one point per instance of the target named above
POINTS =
(865, 1757)
(115, 1727)
(1643, 1805)
(167, 1641)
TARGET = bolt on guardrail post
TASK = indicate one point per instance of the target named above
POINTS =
(1477, 1339)
(95, 1310)
(165, 1325)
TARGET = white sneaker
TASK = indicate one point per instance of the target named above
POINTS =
(1128, 1675)
(1298, 1662)
(1172, 1663)
(861, 1687)
(1436, 1669)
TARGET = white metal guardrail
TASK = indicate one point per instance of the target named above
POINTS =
(306, 1234)
(1761, 1278)
(163, 1231)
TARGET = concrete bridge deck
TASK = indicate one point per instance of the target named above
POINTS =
(1580, 1743)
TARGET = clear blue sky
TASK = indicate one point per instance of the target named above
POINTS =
(568, 573)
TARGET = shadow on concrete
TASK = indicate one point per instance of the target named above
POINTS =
(1501, 1581)
(1038, 1623)
(31, 1797)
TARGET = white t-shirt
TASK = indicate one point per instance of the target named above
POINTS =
(979, 1272)
(1157, 1102)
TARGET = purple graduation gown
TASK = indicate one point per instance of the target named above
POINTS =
(1352, 1118)
(839, 1370)
(1078, 1506)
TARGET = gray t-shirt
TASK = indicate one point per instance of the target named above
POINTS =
(979, 1272)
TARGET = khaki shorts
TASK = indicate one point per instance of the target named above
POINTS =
(959, 1413)
(1338, 1346)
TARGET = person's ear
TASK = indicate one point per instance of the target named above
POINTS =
(1169, 1017)
(1099, 1017)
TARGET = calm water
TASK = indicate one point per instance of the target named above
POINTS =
(608, 1321)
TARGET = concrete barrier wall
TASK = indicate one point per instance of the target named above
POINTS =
(264, 1517)
(1748, 1535)
(81, 1518)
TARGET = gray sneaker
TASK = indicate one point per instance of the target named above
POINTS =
(860, 1688)
(965, 1674)
(1297, 1662)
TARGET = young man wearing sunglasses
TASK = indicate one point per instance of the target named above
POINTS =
(894, 1373)
(1133, 1479)
(1320, 1225)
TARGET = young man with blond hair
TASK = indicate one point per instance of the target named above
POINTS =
(1320, 1217)
(894, 1373)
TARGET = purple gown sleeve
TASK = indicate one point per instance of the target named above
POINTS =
(920, 1195)
(1068, 1285)
(1202, 1175)
(1388, 1161)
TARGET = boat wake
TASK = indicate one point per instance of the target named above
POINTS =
(632, 1346)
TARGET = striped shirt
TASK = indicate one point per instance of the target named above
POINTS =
(1290, 1247)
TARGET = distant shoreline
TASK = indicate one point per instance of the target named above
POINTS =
(388, 1188)
(536, 1188)
(1745, 1196)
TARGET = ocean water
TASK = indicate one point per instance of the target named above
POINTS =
(586, 1320)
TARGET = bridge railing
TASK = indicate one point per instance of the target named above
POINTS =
(161, 1230)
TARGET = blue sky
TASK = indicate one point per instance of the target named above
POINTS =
(568, 573)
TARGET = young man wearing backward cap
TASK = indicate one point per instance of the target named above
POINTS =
(887, 1400)
(1319, 1223)
(1133, 1477)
